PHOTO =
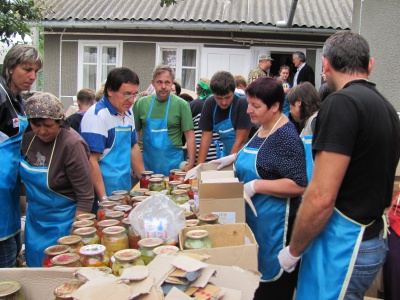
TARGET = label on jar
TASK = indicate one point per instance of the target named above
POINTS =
(156, 227)
(226, 217)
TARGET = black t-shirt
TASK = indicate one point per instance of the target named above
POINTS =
(75, 120)
(358, 122)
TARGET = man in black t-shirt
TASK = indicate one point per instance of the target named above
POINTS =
(85, 99)
(339, 231)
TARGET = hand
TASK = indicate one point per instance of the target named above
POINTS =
(287, 261)
(249, 188)
(224, 161)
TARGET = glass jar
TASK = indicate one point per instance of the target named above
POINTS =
(104, 206)
(144, 179)
(127, 225)
(94, 256)
(70, 260)
(173, 185)
(171, 176)
(52, 251)
(146, 247)
(88, 235)
(133, 239)
(73, 241)
(156, 184)
(165, 250)
(82, 224)
(125, 259)
(11, 290)
(104, 224)
(126, 209)
(117, 199)
(115, 215)
(87, 216)
(208, 219)
(180, 176)
(179, 196)
(197, 239)
(64, 291)
(139, 192)
(188, 188)
(139, 199)
(115, 239)
(123, 193)
(189, 215)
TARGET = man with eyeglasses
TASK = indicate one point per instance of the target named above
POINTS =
(162, 119)
(108, 128)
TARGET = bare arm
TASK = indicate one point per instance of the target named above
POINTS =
(98, 182)
(242, 136)
(319, 199)
(282, 188)
(206, 138)
(137, 160)
(191, 148)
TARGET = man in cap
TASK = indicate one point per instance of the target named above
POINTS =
(264, 63)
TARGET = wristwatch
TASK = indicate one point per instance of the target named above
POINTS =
(103, 198)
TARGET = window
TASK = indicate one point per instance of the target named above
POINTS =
(96, 59)
(185, 62)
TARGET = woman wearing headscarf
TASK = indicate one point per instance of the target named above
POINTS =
(20, 67)
(56, 172)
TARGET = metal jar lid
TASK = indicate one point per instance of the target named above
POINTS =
(107, 204)
(9, 287)
(114, 230)
(85, 231)
(175, 183)
(114, 214)
(149, 193)
(158, 176)
(69, 240)
(179, 192)
(115, 198)
(197, 234)
(208, 217)
(120, 192)
(107, 223)
(156, 180)
(93, 249)
(184, 186)
(122, 208)
(147, 173)
(127, 254)
(126, 221)
(65, 259)
(83, 223)
(192, 222)
(57, 249)
(87, 216)
(150, 242)
(65, 290)
(165, 250)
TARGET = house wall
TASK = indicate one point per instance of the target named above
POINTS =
(377, 21)
(51, 52)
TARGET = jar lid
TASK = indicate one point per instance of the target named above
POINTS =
(127, 254)
(66, 289)
(86, 217)
(107, 223)
(57, 249)
(156, 180)
(114, 230)
(116, 198)
(149, 193)
(9, 287)
(106, 204)
(141, 190)
(192, 223)
(93, 249)
(188, 214)
(197, 234)
(175, 170)
(180, 174)
(122, 208)
(165, 250)
(139, 198)
(69, 240)
(147, 173)
(150, 242)
(65, 259)
(120, 192)
(85, 231)
(178, 192)
(208, 217)
(158, 176)
(184, 186)
(114, 214)
(83, 223)
(126, 221)
(175, 182)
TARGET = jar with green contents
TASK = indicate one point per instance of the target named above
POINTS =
(208, 219)
(89, 235)
(188, 188)
(197, 239)
(156, 184)
(11, 290)
(172, 186)
(73, 241)
(115, 239)
(179, 196)
(94, 256)
(146, 247)
(125, 259)
(64, 291)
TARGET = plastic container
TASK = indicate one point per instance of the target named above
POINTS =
(11, 290)
(94, 256)
(52, 251)
(70, 260)
(89, 235)
(64, 291)
(146, 247)
(104, 206)
(125, 259)
(179, 196)
(115, 239)
(73, 241)
(197, 239)
(104, 224)
(208, 219)
(144, 179)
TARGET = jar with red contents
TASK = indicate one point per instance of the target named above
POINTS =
(115, 215)
(104, 206)
(144, 179)
(187, 188)
(171, 176)
(180, 176)
(133, 239)
(94, 256)
(123, 193)
(73, 241)
(53, 251)
(87, 216)
(104, 224)
(126, 209)
(70, 260)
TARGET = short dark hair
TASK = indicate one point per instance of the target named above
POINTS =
(178, 88)
(222, 83)
(118, 76)
(308, 95)
(300, 55)
(86, 96)
(268, 89)
(186, 97)
(347, 52)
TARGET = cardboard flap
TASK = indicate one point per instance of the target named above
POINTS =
(176, 294)
(207, 175)
(187, 263)
(160, 268)
(229, 294)
(221, 190)
(250, 203)
(141, 287)
(135, 273)
(222, 180)
(204, 278)
(101, 289)
(195, 172)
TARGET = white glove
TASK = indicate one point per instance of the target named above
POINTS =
(287, 261)
(249, 188)
(224, 161)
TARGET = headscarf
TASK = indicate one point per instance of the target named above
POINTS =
(45, 106)
(205, 90)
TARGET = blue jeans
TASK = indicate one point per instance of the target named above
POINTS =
(371, 256)
(9, 250)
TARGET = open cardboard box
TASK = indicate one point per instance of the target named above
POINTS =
(233, 245)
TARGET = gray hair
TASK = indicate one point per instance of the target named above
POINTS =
(300, 55)
(161, 69)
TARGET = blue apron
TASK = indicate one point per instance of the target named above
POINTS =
(49, 215)
(226, 132)
(10, 223)
(270, 225)
(307, 142)
(159, 153)
(115, 164)
(327, 264)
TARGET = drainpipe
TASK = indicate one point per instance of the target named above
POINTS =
(288, 23)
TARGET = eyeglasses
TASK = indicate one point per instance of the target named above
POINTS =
(128, 96)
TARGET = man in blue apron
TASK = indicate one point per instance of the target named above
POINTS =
(225, 114)
(109, 130)
(339, 231)
(162, 119)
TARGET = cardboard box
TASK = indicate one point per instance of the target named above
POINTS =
(233, 245)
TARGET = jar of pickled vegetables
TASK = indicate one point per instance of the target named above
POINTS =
(11, 290)
(180, 176)
(139, 192)
(115, 239)
(73, 241)
(144, 179)
(156, 184)
(173, 185)
(133, 239)
(88, 235)
(179, 196)
(88, 216)
(197, 239)
(208, 219)
(70, 260)
(94, 256)
(123, 193)
(52, 251)
(117, 199)
(82, 223)
(165, 250)
(146, 247)
(126, 209)
(64, 291)
(171, 176)
(188, 188)
(104, 206)
(125, 259)
(104, 224)
(115, 215)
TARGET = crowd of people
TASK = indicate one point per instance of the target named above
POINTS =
(319, 166)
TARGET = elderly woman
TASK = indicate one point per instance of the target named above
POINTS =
(20, 68)
(56, 172)
(272, 166)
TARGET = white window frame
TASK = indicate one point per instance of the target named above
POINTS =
(180, 48)
(99, 44)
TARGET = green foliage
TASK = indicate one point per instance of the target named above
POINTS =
(167, 2)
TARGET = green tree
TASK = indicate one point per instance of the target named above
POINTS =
(167, 2)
